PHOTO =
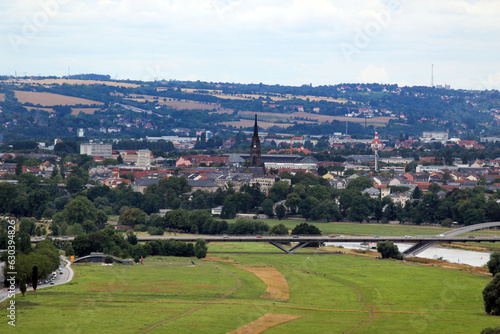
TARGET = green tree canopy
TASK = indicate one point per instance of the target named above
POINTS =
(79, 210)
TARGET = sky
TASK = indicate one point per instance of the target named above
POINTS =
(287, 42)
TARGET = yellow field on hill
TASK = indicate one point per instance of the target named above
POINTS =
(49, 99)
(88, 111)
(76, 82)
(303, 116)
(180, 104)
(275, 97)
(248, 123)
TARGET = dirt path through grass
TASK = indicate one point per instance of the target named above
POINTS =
(263, 323)
(277, 286)
(200, 306)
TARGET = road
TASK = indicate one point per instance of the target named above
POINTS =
(65, 277)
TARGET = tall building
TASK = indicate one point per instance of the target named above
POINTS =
(255, 147)
(97, 150)
(144, 158)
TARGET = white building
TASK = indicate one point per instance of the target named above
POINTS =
(143, 158)
(431, 136)
(97, 150)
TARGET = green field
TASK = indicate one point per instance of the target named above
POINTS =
(361, 229)
(330, 294)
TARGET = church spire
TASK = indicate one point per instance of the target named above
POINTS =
(255, 128)
(255, 146)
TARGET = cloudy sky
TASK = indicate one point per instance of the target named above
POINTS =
(290, 42)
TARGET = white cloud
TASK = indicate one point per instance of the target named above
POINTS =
(279, 41)
(372, 73)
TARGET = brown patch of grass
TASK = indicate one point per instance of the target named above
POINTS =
(277, 286)
(211, 258)
(265, 322)
(465, 247)
(447, 265)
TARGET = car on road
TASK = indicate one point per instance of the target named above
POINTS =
(332, 236)
(225, 236)
(440, 236)
(295, 236)
(52, 283)
(471, 237)
(408, 236)
(259, 236)
(376, 236)
(342, 237)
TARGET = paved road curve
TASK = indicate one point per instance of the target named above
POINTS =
(65, 277)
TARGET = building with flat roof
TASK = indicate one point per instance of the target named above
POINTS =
(97, 150)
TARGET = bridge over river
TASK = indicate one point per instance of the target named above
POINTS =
(300, 241)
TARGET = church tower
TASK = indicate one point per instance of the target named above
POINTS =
(255, 147)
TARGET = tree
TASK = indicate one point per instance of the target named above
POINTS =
(491, 296)
(133, 217)
(359, 209)
(108, 259)
(74, 184)
(279, 190)
(494, 263)
(79, 210)
(307, 206)
(360, 183)
(306, 229)
(132, 238)
(292, 202)
(101, 219)
(280, 211)
(22, 285)
(491, 330)
(267, 207)
(200, 249)
(389, 250)
(279, 229)
(34, 278)
(328, 210)
(417, 193)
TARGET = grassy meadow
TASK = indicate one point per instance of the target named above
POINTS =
(338, 228)
(325, 294)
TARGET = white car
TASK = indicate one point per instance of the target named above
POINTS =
(408, 236)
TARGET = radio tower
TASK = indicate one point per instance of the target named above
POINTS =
(432, 75)
(376, 145)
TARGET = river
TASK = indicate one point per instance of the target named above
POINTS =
(477, 259)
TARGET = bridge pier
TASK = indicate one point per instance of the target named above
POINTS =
(291, 250)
